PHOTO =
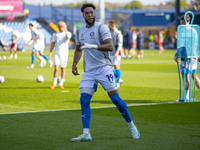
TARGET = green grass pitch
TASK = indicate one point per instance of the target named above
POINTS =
(153, 79)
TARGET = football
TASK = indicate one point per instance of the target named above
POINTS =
(59, 79)
(4, 58)
(2, 79)
(40, 79)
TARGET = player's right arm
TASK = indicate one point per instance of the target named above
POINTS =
(77, 57)
(51, 49)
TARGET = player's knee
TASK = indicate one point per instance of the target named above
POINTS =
(87, 90)
(56, 68)
(115, 98)
(85, 99)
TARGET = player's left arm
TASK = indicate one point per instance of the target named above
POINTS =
(119, 44)
(106, 45)
(68, 34)
(36, 38)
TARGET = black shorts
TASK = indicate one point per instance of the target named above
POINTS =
(128, 46)
(139, 47)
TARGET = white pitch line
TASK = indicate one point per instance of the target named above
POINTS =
(41, 111)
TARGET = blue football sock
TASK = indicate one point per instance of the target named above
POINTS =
(118, 75)
(33, 59)
(45, 57)
(85, 109)
(122, 107)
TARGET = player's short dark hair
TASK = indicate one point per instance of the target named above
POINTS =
(30, 24)
(87, 5)
(187, 18)
(112, 22)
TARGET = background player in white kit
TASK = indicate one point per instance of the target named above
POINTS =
(41, 50)
(95, 40)
(60, 41)
(37, 45)
(115, 54)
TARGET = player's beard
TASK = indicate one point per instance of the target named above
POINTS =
(90, 23)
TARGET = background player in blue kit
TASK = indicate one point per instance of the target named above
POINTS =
(140, 43)
(95, 40)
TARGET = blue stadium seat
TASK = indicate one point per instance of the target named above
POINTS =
(22, 31)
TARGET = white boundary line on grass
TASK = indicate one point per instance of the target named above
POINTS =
(144, 104)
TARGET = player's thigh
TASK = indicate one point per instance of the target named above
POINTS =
(41, 52)
(117, 61)
(56, 60)
(34, 50)
(107, 79)
(63, 61)
(88, 83)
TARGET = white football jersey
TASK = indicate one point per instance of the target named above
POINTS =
(61, 41)
(34, 34)
(94, 58)
(40, 42)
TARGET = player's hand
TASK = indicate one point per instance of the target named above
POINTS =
(175, 58)
(5, 49)
(116, 55)
(65, 27)
(75, 70)
(89, 46)
(199, 59)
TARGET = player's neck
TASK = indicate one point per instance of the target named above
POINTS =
(89, 25)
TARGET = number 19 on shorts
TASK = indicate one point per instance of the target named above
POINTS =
(110, 77)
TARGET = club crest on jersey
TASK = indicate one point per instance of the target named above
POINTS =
(92, 35)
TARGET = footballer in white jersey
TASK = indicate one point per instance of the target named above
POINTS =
(95, 40)
(60, 41)
(36, 46)
(41, 45)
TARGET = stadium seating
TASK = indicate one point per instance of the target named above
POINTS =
(21, 29)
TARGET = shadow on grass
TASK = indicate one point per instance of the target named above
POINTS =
(47, 87)
(24, 88)
(127, 101)
(110, 102)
